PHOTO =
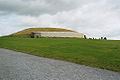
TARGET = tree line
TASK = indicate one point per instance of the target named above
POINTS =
(102, 38)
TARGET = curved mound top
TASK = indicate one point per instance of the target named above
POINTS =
(27, 32)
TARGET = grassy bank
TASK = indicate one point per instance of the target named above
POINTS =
(103, 54)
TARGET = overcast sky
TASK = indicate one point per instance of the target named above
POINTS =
(95, 18)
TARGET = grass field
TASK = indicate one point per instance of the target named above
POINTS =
(103, 54)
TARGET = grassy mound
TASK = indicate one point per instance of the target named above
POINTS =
(26, 33)
(103, 54)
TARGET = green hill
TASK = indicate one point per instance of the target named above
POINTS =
(26, 33)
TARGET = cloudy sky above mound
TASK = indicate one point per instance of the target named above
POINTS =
(95, 18)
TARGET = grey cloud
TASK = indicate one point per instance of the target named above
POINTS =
(37, 7)
(95, 18)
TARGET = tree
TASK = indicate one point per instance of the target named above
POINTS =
(105, 38)
(85, 37)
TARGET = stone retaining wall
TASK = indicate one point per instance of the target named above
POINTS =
(58, 34)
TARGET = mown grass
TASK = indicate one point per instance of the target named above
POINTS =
(103, 54)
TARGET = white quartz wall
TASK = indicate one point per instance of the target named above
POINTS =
(70, 35)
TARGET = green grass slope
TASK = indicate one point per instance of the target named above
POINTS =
(26, 33)
(103, 54)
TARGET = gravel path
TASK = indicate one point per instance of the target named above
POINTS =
(20, 66)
